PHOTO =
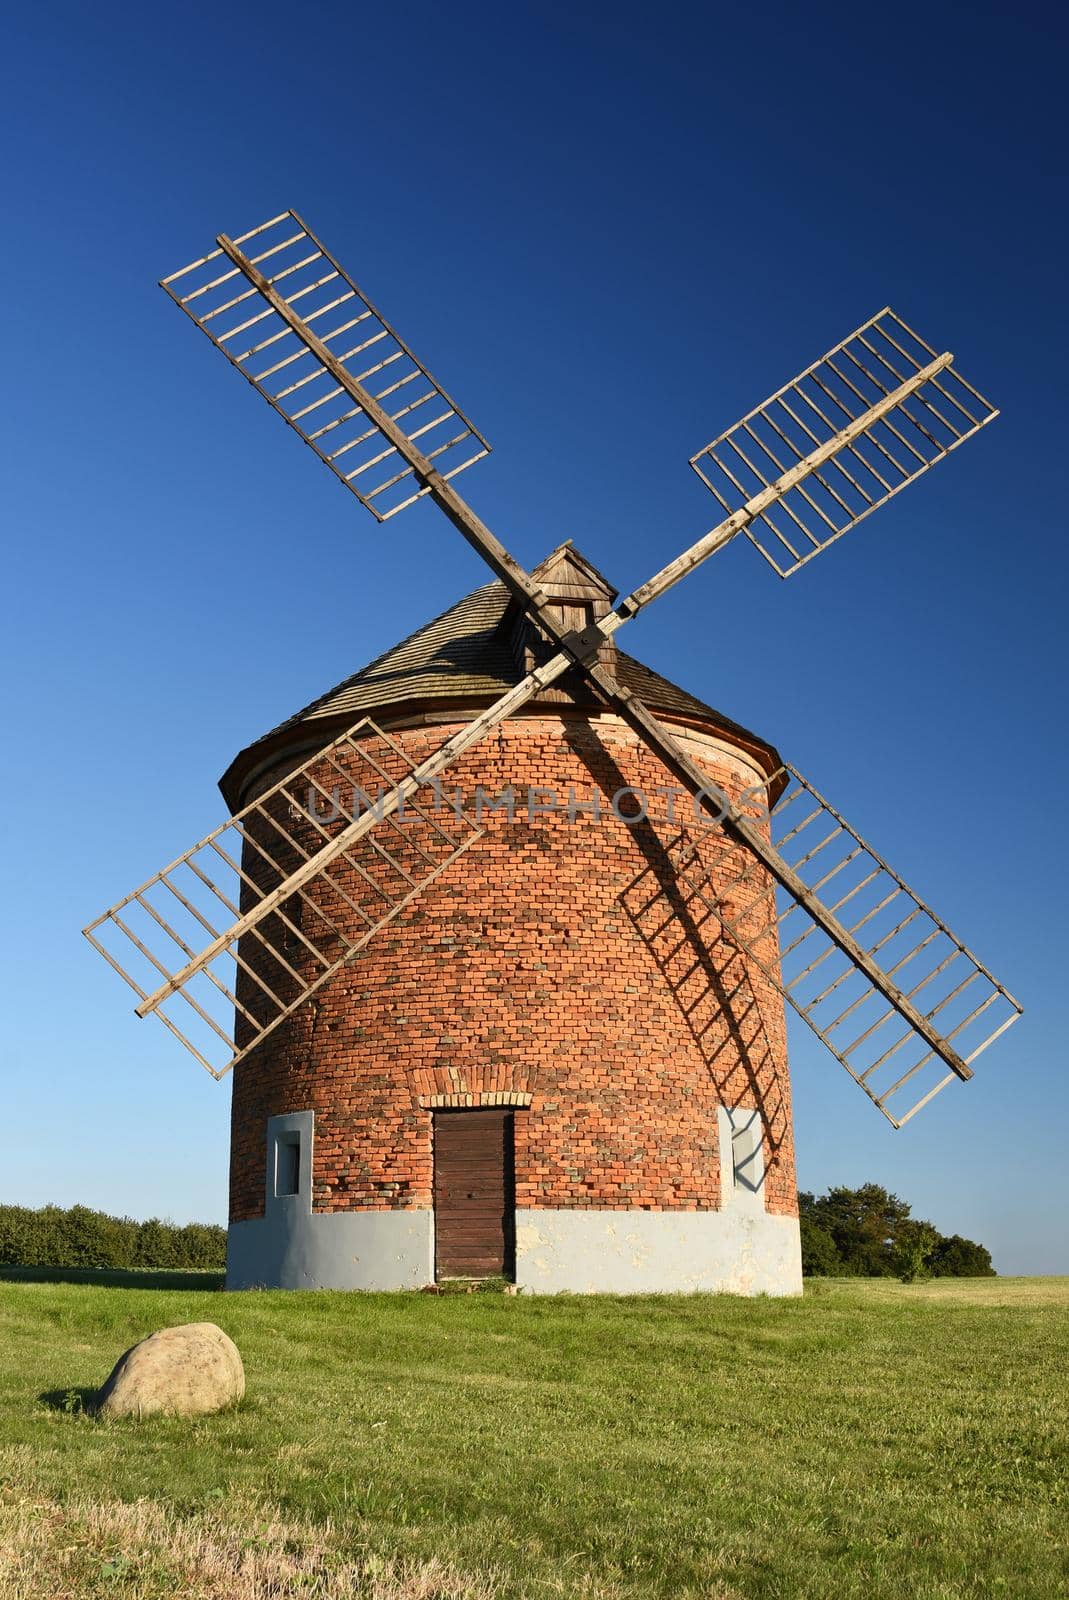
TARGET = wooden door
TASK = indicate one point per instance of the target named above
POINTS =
(474, 1194)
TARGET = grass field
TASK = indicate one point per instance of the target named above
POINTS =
(868, 1440)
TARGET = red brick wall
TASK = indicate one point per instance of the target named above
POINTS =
(561, 960)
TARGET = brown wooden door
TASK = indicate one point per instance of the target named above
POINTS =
(474, 1194)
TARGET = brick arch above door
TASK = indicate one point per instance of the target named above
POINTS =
(463, 1099)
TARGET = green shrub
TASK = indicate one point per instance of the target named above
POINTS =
(52, 1236)
(955, 1257)
(869, 1233)
(912, 1250)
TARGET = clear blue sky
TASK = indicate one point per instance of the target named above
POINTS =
(609, 231)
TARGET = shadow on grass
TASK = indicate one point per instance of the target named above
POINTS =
(115, 1277)
(81, 1401)
(75, 1402)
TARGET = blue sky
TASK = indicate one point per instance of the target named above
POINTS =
(610, 232)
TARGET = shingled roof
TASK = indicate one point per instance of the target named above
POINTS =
(467, 656)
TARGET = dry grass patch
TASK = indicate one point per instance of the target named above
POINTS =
(144, 1551)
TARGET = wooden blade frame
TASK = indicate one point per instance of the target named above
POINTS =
(894, 449)
(846, 1010)
(297, 378)
(292, 913)
(840, 447)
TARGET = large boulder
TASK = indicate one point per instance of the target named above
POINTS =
(184, 1371)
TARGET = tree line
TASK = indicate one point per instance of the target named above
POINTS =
(75, 1236)
(869, 1233)
(864, 1232)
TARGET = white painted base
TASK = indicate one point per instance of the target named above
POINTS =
(740, 1250)
(292, 1248)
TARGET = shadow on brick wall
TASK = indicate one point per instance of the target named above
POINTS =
(737, 1028)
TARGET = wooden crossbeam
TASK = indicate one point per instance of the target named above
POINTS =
(581, 649)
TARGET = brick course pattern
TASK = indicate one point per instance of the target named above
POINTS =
(556, 962)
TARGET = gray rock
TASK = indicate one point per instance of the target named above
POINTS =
(184, 1371)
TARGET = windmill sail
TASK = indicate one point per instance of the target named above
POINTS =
(231, 938)
(856, 892)
(879, 409)
(293, 322)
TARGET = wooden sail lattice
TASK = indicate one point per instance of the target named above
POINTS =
(271, 904)
(856, 377)
(917, 954)
(299, 383)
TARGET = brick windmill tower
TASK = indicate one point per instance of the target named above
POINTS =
(501, 929)
(551, 1066)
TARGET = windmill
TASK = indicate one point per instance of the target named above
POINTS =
(258, 919)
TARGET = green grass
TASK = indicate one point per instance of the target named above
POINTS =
(868, 1440)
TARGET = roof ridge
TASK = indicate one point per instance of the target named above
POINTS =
(379, 660)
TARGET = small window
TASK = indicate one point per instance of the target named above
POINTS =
(287, 1163)
(746, 1151)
